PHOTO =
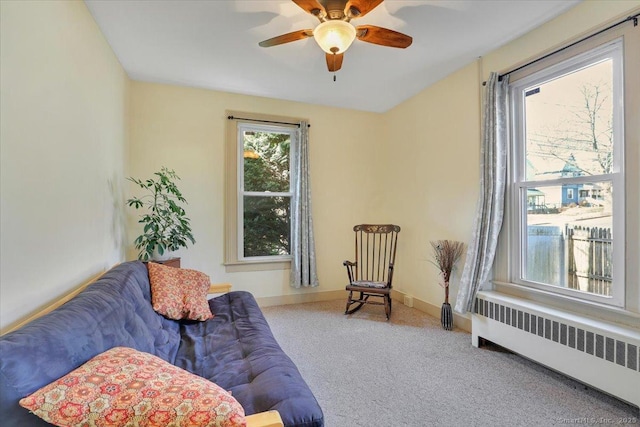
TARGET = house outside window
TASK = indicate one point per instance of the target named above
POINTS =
(567, 183)
(259, 191)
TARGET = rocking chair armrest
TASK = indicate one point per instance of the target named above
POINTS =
(350, 266)
(390, 276)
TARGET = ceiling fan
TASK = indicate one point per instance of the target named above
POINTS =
(335, 33)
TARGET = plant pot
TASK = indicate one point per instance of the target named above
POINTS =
(165, 256)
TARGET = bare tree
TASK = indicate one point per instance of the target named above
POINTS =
(586, 141)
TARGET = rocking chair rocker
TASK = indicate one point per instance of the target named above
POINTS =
(371, 273)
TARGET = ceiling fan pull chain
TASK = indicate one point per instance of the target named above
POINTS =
(334, 50)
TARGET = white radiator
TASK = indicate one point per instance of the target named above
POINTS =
(601, 354)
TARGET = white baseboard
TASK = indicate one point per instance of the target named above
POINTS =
(460, 322)
(301, 298)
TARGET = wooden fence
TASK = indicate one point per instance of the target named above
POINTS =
(589, 259)
(546, 249)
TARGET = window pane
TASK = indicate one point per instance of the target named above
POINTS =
(266, 161)
(568, 123)
(569, 241)
(266, 225)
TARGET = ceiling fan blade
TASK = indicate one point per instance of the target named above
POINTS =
(334, 61)
(383, 36)
(311, 6)
(359, 8)
(286, 38)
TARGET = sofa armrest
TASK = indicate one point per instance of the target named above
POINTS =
(265, 419)
(219, 288)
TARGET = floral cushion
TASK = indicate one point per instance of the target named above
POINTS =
(369, 284)
(179, 293)
(123, 386)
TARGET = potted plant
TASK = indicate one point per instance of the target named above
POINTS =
(445, 255)
(166, 227)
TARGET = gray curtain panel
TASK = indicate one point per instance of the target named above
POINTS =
(490, 208)
(303, 252)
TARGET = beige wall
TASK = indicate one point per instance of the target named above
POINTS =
(434, 136)
(184, 129)
(578, 22)
(63, 120)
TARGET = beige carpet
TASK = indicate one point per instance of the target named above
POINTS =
(365, 371)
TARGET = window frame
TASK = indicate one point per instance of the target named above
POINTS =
(233, 218)
(258, 127)
(517, 193)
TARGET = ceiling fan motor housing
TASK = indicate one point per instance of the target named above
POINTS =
(335, 9)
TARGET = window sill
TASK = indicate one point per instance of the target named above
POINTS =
(261, 265)
(564, 302)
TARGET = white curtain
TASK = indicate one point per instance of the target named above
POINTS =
(303, 252)
(490, 208)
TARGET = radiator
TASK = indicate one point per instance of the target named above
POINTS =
(597, 353)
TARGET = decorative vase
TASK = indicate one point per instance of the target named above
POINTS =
(446, 314)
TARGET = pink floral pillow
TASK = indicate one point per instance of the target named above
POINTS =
(123, 386)
(179, 293)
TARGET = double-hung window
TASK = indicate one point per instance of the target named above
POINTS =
(567, 190)
(259, 192)
(264, 191)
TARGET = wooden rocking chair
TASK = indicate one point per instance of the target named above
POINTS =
(372, 271)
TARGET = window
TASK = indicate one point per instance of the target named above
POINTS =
(570, 196)
(567, 188)
(259, 191)
(264, 199)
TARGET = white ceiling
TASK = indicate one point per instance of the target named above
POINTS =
(214, 44)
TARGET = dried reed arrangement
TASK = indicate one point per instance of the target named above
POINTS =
(445, 255)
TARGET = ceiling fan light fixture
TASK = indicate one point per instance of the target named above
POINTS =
(334, 36)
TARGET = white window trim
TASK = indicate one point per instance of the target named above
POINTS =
(518, 184)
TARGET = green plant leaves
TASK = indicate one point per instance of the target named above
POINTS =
(166, 228)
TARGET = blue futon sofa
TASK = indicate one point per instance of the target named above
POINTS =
(235, 349)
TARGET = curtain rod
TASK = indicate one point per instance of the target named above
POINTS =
(265, 121)
(633, 18)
